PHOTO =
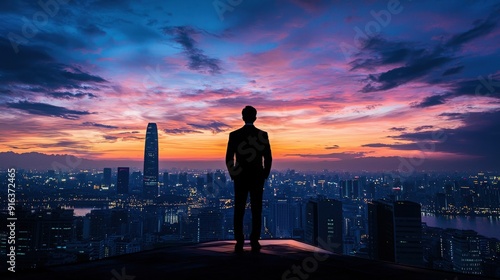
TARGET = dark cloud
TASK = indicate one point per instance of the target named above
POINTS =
(419, 63)
(402, 75)
(110, 138)
(99, 125)
(479, 87)
(64, 143)
(482, 28)
(376, 145)
(432, 100)
(197, 59)
(214, 126)
(452, 116)
(377, 51)
(397, 128)
(341, 156)
(34, 70)
(424, 127)
(453, 70)
(333, 147)
(69, 95)
(181, 131)
(93, 30)
(44, 109)
(477, 137)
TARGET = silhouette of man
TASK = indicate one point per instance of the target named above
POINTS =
(251, 147)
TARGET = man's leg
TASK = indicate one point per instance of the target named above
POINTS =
(240, 200)
(256, 202)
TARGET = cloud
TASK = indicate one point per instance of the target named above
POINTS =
(197, 59)
(333, 147)
(430, 101)
(44, 109)
(481, 29)
(64, 143)
(99, 125)
(480, 87)
(452, 116)
(478, 137)
(453, 70)
(418, 63)
(397, 128)
(424, 127)
(181, 131)
(339, 156)
(110, 138)
(214, 126)
(376, 145)
(402, 75)
(69, 95)
(35, 71)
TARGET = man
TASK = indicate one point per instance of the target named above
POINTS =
(250, 145)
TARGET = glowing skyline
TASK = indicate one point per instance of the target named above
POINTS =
(97, 72)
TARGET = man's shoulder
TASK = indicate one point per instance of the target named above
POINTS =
(246, 130)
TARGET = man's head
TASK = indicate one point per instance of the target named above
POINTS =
(249, 114)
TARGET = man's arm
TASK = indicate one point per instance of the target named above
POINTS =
(230, 151)
(268, 158)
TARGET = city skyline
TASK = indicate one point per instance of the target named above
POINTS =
(338, 85)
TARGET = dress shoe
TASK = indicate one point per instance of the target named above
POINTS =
(255, 246)
(238, 248)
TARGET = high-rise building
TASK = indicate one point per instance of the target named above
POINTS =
(324, 224)
(282, 227)
(122, 180)
(106, 179)
(150, 179)
(209, 225)
(395, 231)
(350, 189)
(165, 179)
(135, 185)
(466, 252)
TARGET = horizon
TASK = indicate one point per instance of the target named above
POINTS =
(71, 163)
(335, 84)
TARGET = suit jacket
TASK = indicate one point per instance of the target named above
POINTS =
(251, 147)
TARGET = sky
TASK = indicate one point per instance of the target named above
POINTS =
(333, 81)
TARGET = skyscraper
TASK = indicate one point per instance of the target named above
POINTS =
(122, 179)
(150, 187)
(324, 224)
(106, 179)
(395, 231)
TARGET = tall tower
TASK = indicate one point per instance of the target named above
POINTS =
(150, 187)
(395, 231)
(324, 224)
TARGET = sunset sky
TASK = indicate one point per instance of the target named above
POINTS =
(331, 80)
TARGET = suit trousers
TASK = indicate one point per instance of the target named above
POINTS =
(241, 191)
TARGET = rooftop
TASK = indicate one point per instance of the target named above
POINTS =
(279, 259)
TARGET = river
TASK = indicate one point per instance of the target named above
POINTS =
(486, 226)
